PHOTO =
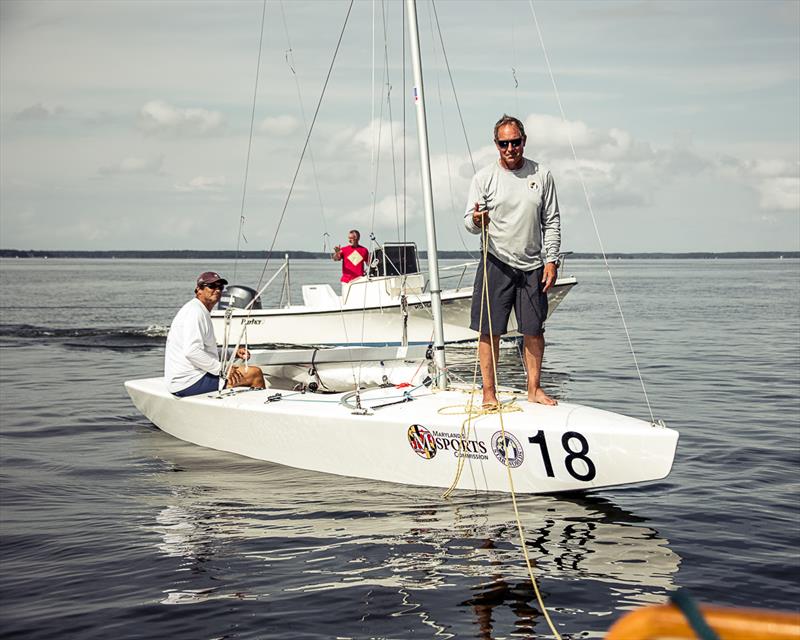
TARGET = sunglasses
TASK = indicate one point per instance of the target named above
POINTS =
(515, 143)
(216, 285)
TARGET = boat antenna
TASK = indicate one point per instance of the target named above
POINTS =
(240, 235)
(440, 377)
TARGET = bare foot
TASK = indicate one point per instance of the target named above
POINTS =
(489, 400)
(541, 397)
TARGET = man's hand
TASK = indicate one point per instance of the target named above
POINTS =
(480, 218)
(235, 377)
(337, 252)
(549, 275)
(242, 353)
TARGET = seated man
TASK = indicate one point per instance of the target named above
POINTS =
(192, 363)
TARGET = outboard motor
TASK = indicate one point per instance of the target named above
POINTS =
(238, 297)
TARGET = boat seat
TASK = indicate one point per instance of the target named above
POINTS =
(411, 284)
(321, 296)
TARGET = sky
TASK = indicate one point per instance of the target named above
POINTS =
(126, 125)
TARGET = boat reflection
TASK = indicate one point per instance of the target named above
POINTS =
(313, 533)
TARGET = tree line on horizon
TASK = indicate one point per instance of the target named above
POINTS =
(192, 254)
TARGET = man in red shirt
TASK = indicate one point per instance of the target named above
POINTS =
(354, 257)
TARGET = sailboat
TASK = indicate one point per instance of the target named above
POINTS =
(419, 432)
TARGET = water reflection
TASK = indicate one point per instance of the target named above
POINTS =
(278, 533)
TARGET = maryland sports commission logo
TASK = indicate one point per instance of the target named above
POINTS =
(422, 441)
(507, 448)
(426, 444)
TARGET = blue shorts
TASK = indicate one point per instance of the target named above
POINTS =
(206, 384)
(509, 288)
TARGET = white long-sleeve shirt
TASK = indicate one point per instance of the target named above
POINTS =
(191, 347)
(523, 213)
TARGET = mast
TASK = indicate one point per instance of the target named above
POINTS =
(427, 194)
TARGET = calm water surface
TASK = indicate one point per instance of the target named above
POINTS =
(110, 528)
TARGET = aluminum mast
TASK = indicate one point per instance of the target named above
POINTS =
(427, 194)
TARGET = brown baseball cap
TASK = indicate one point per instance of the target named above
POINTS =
(210, 277)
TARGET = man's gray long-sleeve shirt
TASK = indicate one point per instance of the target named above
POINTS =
(523, 213)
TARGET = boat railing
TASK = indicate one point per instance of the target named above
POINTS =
(287, 283)
(460, 269)
(459, 273)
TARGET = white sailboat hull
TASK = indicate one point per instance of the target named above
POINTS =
(569, 447)
(368, 317)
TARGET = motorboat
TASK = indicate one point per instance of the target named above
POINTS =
(389, 306)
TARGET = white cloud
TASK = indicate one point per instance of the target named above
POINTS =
(776, 181)
(279, 125)
(203, 183)
(158, 117)
(780, 194)
(378, 134)
(133, 165)
(388, 213)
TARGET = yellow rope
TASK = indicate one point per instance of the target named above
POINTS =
(466, 427)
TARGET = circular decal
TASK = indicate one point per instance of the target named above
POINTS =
(507, 448)
(422, 441)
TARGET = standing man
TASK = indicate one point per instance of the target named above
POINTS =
(514, 200)
(192, 363)
(353, 257)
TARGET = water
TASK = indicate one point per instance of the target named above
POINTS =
(111, 528)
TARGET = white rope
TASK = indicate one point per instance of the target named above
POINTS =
(591, 211)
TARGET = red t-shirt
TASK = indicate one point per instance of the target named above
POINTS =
(353, 261)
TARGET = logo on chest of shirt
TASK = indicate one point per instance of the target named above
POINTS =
(533, 185)
(355, 258)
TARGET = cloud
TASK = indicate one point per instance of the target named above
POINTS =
(780, 194)
(133, 165)
(378, 134)
(281, 187)
(39, 112)
(203, 183)
(388, 213)
(279, 125)
(157, 117)
(776, 181)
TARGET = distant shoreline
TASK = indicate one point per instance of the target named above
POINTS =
(191, 254)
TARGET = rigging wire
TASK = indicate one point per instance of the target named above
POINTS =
(514, 68)
(292, 68)
(403, 102)
(305, 144)
(391, 121)
(376, 163)
(591, 211)
(453, 85)
(451, 192)
(240, 235)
